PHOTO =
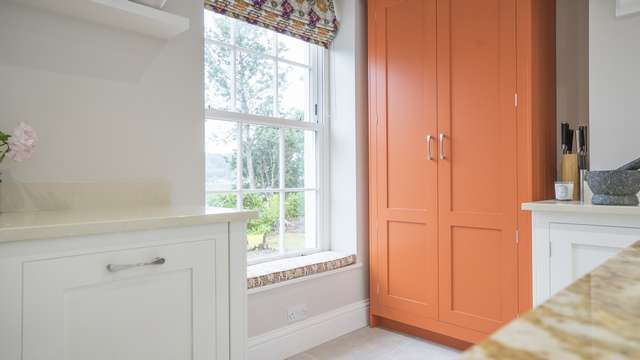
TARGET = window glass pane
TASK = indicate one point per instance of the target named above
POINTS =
(218, 76)
(300, 221)
(221, 144)
(260, 154)
(217, 27)
(255, 86)
(223, 200)
(300, 158)
(292, 49)
(267, 75)
(263, 233)
(293, 92)
(255, 38)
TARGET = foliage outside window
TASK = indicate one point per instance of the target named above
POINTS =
(262, 133)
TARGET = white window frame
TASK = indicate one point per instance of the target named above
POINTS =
(318, 111)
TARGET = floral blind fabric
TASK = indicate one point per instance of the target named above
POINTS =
(313, 21)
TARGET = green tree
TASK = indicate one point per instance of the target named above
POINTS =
(269, 213)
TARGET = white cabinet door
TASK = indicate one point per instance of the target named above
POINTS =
(578, 249)
(75, 309)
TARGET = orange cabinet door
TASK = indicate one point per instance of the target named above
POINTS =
(477, 177)
(403, 93)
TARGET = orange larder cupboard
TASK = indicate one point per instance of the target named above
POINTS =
(461, 132)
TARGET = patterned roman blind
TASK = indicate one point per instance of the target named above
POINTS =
(313, 21)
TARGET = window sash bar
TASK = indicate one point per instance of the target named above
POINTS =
(282, 193)
(276, 83)
(211, 114)
(240, 165)
(234, 58)
(257, 53)
(257, 191)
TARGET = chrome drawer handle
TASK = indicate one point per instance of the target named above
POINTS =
(120, 267)
(442, 155)
(429, 139)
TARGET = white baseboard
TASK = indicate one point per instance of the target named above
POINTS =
(306, 334)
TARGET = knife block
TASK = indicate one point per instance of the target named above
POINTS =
(571, 173)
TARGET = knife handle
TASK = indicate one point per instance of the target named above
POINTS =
(582, 139)
(564, 129)
(579, 140)
(570, 141)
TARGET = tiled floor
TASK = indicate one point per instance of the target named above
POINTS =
(378, 344)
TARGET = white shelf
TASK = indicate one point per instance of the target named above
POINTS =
(121, 14)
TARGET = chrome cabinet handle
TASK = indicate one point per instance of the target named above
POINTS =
(120, 267)
(442, 155)
(429, 154)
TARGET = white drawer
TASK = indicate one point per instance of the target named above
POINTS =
(74, 308)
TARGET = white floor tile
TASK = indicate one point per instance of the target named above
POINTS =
(378, 344)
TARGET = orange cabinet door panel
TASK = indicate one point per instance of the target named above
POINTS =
(404, 95)
(477, 177)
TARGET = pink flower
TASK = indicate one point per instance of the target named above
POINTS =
(22, 143)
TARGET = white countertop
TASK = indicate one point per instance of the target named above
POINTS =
(56, 224)
(579, 207)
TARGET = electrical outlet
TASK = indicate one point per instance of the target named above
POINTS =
(297, 313)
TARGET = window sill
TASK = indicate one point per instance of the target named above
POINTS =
(269, 275)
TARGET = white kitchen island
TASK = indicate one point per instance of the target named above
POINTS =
(141, 283)
(572, 238)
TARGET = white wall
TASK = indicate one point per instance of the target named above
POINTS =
(349, 127)
(614, 85)
(572, 65)
(109, 106)
(268, 309)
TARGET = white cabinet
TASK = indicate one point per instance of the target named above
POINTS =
(141, 295)
(578, 249)
(571, 239)
(75, 309)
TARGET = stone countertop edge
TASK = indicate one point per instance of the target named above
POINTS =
(596, 317)
(59, 224)
(579, 207)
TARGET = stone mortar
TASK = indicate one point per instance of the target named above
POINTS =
(614, 187)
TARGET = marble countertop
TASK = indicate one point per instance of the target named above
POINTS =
(56, 224)
(579, 207)
(597, 317)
